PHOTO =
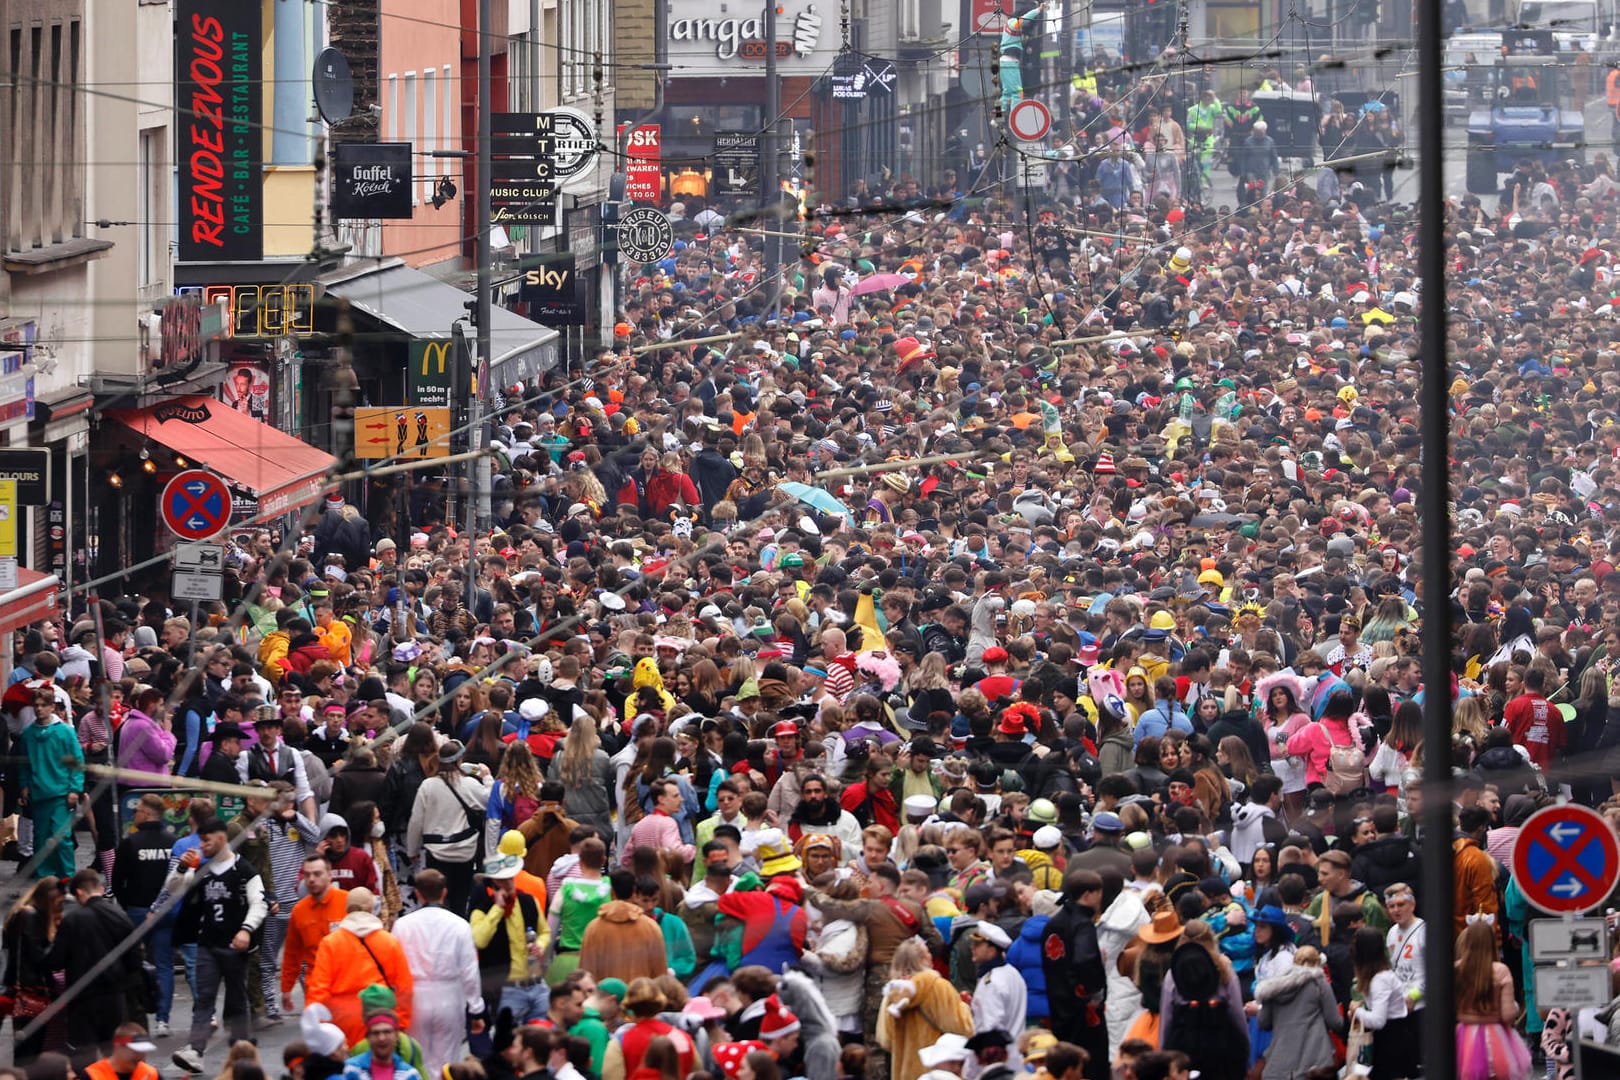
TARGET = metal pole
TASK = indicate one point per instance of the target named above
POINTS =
(1438, 1038)
(769, 173)
(478, 474)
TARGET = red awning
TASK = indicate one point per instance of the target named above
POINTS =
(282, 472)
(33, 599)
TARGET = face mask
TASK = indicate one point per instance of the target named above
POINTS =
(376, 830)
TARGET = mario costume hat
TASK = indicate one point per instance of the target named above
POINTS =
(778, 1020)
(729, 1056)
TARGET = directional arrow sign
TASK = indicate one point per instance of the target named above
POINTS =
(1566, 859)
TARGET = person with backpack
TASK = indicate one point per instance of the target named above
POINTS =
(447, 822)
(1331, 748)
(1201, 1008)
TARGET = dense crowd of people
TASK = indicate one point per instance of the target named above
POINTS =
(1006, 665)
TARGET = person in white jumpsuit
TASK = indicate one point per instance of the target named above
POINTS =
(439, 948)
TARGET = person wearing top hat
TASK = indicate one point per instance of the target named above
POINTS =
(1000, 998)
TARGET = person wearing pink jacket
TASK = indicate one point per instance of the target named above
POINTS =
(659, 830)
(143, 744)
(1313, 743)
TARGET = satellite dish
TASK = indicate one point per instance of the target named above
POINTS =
(334, 86)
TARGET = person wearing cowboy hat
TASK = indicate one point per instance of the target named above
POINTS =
(511, 935)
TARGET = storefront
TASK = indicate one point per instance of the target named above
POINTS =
(715, 98)
(405, 326)
(272, 475)
(401, 305)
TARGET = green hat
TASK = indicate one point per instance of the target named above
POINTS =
(376, 998)
(750, 689)
(1251, 530)
(612, 987)
(1184, 383)
(792, 560)
(1228, 383)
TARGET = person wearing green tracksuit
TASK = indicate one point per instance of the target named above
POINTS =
(52, 774)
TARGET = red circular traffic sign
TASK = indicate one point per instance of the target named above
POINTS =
(1566, 859)
(1029, 121)
(196, 505)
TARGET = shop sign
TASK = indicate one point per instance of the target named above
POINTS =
(16, 371)
(734, 37)
(643, 169)
(857, 78)
(432, 372)
(56, 520)
(255, 311)
(16, 387)
(246, 389)
(551, 289)
(217, 64)
(372, 180)
(30, 467)
(737, 164)
(523, 171)
(401, 431)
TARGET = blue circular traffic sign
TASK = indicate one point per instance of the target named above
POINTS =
(196, 505)
(1566, 859)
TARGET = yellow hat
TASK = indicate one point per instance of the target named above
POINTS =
(1162, 620)
(512, 843)
(1347, 393)
(1212, 577)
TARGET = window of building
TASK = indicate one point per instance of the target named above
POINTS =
(430, 120)
(42, 197)
(393, 108)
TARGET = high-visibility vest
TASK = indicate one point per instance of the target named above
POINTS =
(103, 1070)
(1612, 89)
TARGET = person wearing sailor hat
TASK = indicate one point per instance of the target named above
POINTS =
(1000, 998)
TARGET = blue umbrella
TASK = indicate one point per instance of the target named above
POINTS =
(816, 499)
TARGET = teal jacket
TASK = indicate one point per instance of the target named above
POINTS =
(52, 760)
(678, 941)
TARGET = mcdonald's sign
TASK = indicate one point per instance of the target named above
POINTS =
(432, 373)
